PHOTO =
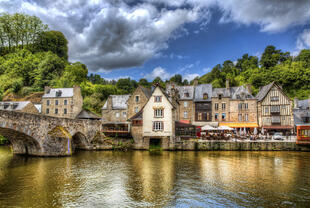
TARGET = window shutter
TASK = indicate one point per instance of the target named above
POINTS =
(162, 124)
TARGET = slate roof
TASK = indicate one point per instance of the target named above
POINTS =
(221, 91)
(183, 91)
(304, 104)
(137, 116)
(84, 114)
(264, 91)
(119, 102)
(39, 107)
(240, 92)
(146, 91)
(64, 92)
(20, 105)
(299, 114)
(200, 90)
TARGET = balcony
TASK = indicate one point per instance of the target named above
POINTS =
(116, 129)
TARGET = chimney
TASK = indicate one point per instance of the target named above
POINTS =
(195, 82)
(227, 83)
(296, 102)
(47, 89)
(248, 87)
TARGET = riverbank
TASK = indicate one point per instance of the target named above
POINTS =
(206, 145)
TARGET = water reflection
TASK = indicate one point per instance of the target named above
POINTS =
(144, 179)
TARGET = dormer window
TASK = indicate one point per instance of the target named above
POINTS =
(186, 94)
(58, 93)
(220, 96)
(14, 106)
(137, 98)
(205, 96)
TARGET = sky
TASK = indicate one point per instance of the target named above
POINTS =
(150, 38)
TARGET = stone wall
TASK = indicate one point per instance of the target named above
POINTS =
(133, 104)
(251, 111)
(44, 135)
(30, 108)
(220, 109)
(189, 109)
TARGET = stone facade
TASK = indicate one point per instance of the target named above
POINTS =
(115, 109)
(220, 109)
(21, 106)
(137, 100)
(186, 110)
(62, 102)
(243, 111)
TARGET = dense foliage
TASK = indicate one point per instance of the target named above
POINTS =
(292, 73)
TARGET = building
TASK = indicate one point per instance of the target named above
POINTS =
(242, 109)
(185, 96)
(155, 123)
(62, 102)
(274, 109)
(221, 103)
(301, 114)
(203, 105)
(115, 116)
(20, 106)
(137, 100)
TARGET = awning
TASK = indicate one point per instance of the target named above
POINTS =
(239, 125)
(277, 127)
(185, 121)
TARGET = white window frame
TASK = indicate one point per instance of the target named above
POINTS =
(117, 114)
(158, 126)
(124, 114)
(185, 104)
(159, 113)
(136, 109)
(185, 114)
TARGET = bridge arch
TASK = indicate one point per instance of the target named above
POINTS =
(79, 141)
(21, 142)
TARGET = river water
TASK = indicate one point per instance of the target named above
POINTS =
(161, 179)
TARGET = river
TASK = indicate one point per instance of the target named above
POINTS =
(160, 179)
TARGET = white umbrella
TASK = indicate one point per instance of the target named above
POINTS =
(244, 130)
(263, 131)
(240, 131)
(208, 128)
(255, 131)
(225, 128)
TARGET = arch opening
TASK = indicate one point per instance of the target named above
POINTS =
(79, 141)
(21, 143)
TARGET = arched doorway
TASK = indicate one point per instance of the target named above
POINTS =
(79, 141)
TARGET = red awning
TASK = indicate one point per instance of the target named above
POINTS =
(185, 121)
(278, 127)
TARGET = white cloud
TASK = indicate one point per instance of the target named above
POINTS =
(190, 77)
(206, 70)
(158, 72)
(303, 40)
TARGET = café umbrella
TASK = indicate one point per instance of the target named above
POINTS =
(255, 131)
(208, 128)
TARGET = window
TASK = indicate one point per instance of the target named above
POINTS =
(136, 109)
(223, 106)
(240, 106)
(56, 102)
(239, 117)
(220, 96)
(185, 104)
(216, 106)
(117, 114)
(124, 114)
(137, 98)
(185, 114)
(158, 126)
(158, 113)
(48, 102)
(223, 116)
(275, 109)
(205, 96)
(199, 116)
(275, 119)
(246, 117)
(186, 94)
(274, 98)
(216, 117)
(266, 109)
(65, 102)
(47, 111)
(158, 99)
(56, 110)
(65, 111)
(246, 106)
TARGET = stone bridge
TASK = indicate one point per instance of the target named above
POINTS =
(42, 135)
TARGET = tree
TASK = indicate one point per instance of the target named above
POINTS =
(159, 81)
(247, 62)
(143, 82)
(74, 74)
(185, 82)
(177, 79)
(271, 57)
(304, 55)
(53, 41)
(19, 30)
(125, 84)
